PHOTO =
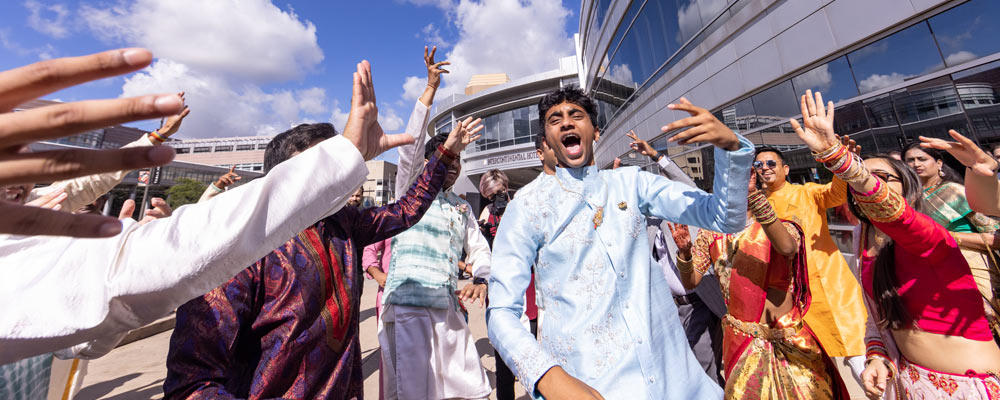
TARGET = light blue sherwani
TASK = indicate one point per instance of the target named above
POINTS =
(609, 319)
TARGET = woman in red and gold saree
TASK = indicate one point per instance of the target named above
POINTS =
(928, 336)
(768, 350)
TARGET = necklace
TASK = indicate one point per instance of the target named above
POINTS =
(598, 215)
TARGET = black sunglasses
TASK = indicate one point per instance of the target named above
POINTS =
(885, 176)
(760, 164)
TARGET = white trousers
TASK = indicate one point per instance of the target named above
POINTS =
(429, 353)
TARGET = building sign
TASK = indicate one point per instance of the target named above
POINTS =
(511, 158)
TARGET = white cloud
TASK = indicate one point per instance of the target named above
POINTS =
(818, 78)
(251, 39)
(221, 108)
(432, 35)
(413, 87)
(621, 74)
(312, 100)
(220, 53)
(954, 59)
(879, 81)
(688, 22)
(486, 43)
(390, 121)
(55, 26)
(339, 117)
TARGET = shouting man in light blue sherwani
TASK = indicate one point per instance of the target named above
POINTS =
(611, 326)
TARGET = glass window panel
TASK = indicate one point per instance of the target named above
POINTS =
(968, 31)
(833, 79)
(740, 116)
(885, 132)
(850, 119)
(626, 22)
(979, 89)
(688, 17)
(600, 11)
(776, 103)
(711, 8)
(929, 109)
(892, 60)
(506, 125)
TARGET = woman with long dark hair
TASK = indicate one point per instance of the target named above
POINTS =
(944, 201)
(928, 334)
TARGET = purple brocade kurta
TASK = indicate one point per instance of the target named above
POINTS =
(287, 326)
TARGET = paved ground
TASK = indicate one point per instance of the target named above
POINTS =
(137, 370)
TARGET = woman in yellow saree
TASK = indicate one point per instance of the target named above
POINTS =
(768, 350)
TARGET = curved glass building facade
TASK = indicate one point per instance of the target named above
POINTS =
(896, 69)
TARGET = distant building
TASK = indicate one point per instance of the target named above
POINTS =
(114, 137)
(479, 83)
(245, 152)
(510, 115)
(111, 137)
(381, 183)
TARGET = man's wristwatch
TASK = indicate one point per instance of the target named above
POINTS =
(478, 281)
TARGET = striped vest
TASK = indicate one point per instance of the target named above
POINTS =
(424, 267)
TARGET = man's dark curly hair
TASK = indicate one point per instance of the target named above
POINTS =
(569, 94)
(433, 144)
(294, 140)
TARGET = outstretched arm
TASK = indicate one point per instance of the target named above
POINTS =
(86, 189)
(724, 210)
(411, 157)
(886, 209)
(982, 189)
(375, 224)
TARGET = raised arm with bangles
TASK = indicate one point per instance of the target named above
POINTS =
(927, 318)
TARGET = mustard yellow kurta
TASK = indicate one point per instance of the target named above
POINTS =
(837, 314)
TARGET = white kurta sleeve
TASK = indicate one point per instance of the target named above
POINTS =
(61, 291)
(411, 157)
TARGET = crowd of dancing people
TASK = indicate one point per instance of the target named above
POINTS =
(598, 283)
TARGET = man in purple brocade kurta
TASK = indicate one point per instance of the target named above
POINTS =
(288, 325)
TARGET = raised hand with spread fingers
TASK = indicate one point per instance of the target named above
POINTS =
(816, 129)
(702, 127)
(465, 132)
(362, 127)
(19, 129)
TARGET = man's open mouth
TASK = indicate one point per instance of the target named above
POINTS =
(571, 142)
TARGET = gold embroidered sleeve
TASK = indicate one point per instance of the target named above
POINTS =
(883, 206)
(700, 251)
(794, 233)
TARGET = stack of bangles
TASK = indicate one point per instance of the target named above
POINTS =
(877, 351)
(684, 266)
(843, 163)
(761, 209)
(156, 137)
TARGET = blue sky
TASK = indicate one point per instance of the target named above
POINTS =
(257, 67)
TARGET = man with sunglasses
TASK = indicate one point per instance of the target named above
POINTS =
(837, 314)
